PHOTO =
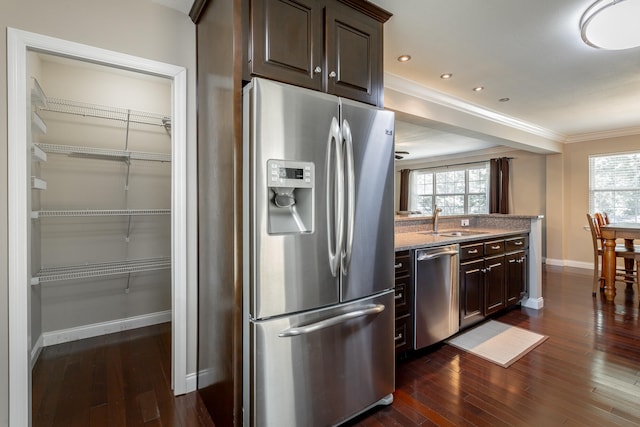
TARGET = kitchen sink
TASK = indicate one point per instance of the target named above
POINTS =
(454, 233)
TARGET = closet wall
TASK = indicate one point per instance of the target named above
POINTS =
(105, 181)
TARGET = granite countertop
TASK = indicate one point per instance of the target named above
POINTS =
(414, 217)
(416, 240)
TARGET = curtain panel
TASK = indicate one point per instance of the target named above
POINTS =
(404, 189)
(499, 185)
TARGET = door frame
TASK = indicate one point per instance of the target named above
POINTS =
(19, 157)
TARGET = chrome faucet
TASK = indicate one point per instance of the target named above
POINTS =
(436, 215)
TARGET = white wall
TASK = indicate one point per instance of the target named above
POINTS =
(528, 177)
(82, 183)
(568, 194)
(136, 27)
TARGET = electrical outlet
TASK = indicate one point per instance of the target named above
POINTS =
(464, 222)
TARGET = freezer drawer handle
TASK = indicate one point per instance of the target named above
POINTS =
(424, 256)
(363, 311)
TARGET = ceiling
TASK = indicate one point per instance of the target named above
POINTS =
(528, 51)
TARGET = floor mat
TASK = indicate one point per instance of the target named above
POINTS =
(497, 342)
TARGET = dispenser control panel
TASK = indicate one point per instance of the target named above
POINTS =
(289, 173)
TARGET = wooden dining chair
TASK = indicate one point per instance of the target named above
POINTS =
(622, 275)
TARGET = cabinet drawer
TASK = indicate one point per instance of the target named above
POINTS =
(402, 297)
(404, 333)
(494, 247)
(471, 251)
(516, 243)
(402, 263)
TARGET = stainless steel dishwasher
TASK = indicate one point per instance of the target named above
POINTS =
(437, 309)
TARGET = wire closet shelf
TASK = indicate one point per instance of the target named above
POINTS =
(104, 153)
(125, 115)
(129, 117)
(83, 271)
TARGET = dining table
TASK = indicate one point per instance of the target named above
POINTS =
(609, 233)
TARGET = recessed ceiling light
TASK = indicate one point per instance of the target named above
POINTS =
(404, 58)
(478, 88)
(446, 76)
(503, 99)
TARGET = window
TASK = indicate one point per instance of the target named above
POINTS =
(614, 186)
(457, 190)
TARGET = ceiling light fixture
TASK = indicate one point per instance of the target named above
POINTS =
(446, 76)
(404, 58)
(611, 24)
(478, 88)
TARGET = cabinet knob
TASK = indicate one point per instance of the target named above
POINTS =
(332, 74)
(317, 70)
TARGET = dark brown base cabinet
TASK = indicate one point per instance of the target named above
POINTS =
(404, 302)
(490, 279)
(334, 46)
(516, 263)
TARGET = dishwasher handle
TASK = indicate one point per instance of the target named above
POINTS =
(426, 256)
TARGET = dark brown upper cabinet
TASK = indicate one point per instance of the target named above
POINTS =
(286, 39)
(333, 46)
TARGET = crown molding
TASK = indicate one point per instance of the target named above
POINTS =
(605, 134)
(409, 87)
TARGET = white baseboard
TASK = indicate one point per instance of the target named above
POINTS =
(535, 303)
(192, 382)
(570, 263)
(36, 350)
(104, 328)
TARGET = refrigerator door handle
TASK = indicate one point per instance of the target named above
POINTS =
(335, 196)
(332, 321)
(351, 195)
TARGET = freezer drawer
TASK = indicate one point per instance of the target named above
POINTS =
(322, 367)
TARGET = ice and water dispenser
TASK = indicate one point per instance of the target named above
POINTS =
(291, 202)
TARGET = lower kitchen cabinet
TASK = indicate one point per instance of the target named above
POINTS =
(404, 302)
(492, 277)
(494, 274)
(516, 287)
(471, 292)
(482, 289)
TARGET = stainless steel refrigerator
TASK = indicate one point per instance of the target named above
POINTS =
(318, 277)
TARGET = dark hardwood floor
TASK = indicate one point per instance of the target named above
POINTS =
(121, 379)
(586, 374)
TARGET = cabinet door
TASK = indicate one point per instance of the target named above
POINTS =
(471, 292)
(516, 285)
(494, 279)
(353, 54)
(287, 41)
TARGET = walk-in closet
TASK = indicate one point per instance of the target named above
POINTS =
(100, 200)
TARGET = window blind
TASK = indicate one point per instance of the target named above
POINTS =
(614, 186)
